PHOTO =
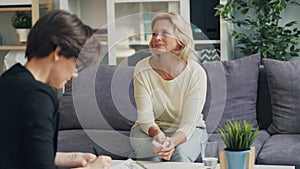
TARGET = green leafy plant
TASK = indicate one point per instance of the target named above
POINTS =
(238, 136)
(21, 20)
(262, 32)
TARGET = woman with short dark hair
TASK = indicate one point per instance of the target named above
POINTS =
(29, 105)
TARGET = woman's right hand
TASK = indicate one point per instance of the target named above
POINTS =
(101, 162)
(160, 138)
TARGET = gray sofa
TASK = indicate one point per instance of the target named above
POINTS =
(98, 108)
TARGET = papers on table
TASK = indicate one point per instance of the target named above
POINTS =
(128, 164)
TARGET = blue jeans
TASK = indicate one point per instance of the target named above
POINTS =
(185, 152)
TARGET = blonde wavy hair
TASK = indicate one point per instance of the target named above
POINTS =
(183, 33)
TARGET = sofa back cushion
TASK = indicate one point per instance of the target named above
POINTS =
(283, 80)
(115, 97)
(232, 91)
(231, 94)
(100, 98)
(68, 118)
(263, 106)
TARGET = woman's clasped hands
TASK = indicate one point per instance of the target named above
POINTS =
(163, 146)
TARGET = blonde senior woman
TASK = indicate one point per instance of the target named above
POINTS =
(170, 92)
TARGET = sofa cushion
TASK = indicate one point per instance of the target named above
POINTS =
(107, 142)
(139, 55)
(100, 98)
(68, 118)
(114, 95)
(283, 80)
(263, 106)
(281, 149)
(231, 91)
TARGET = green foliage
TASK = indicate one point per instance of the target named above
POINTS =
(21, 20)
(238, 137)
(263, 34)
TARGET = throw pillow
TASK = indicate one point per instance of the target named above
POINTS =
(231, 91)
(114, 95)
(284, 88)
(103, 101)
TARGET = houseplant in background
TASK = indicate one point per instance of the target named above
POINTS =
(260, 30)
(238, 137)
(22, 22)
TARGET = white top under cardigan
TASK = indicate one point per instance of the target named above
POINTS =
(173, 105)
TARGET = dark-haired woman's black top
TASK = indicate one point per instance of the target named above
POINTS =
(28, 121)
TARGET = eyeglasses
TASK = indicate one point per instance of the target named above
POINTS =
(164, 33)
(80, 65)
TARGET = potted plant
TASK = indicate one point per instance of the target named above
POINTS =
(238, 137)
(22, 22)
(259, 29)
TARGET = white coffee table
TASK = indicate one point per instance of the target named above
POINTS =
(180, 165)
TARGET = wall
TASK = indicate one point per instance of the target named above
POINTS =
(92, 12)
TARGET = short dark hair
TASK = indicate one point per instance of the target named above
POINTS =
(57, 28)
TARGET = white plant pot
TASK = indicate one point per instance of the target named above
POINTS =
(22, 33)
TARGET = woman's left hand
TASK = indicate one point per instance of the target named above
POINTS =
(166, 153)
